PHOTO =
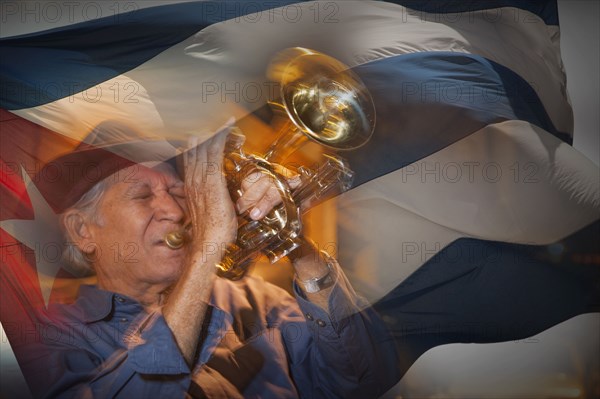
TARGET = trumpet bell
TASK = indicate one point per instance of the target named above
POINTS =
(320, 99)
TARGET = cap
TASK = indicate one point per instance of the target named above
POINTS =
(109, 147)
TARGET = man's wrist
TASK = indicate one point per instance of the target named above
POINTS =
(308, 262)
(325, 280)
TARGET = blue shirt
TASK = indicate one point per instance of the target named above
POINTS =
(106, 345)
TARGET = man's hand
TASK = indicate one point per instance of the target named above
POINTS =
(209, 205)
(208, 201)
(260, 194)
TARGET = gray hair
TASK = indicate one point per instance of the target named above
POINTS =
(77, 261)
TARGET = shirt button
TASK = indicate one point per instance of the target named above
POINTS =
(120, 299)
(309, 317)
(321, 323)
(123, 320)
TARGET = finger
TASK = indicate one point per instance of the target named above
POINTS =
(266, 203)
(216, 146)
(191, 185)
(291, 176)
(216, 193)
(189, 160)
(254, 187)
(201, 152)
(294, 181)
(214, 157)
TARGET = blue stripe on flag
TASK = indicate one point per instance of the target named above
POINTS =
(485, 291)
(60, 62)
(427, 101)
(43, 75)
(547, 10)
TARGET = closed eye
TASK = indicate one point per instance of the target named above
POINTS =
(138, 191)
(143, 196)
(177, 192)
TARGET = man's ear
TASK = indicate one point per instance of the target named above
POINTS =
(78, 231)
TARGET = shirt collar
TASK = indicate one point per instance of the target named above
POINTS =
(95, 303)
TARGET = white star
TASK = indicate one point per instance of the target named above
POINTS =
(42, 235)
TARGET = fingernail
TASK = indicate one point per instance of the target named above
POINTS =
(255, 213)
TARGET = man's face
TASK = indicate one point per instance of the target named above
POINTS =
(134, 215)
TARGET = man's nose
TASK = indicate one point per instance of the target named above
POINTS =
(167, 208)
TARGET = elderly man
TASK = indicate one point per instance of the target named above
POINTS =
(160, 324)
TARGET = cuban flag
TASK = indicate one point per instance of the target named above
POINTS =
(471, 218)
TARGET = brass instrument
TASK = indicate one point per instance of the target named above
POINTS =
(321, 100)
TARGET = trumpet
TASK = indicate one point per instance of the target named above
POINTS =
(320, 100)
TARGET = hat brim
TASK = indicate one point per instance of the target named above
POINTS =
(67, 178)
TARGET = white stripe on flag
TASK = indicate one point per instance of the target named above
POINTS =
(195, 86)
(510, 182)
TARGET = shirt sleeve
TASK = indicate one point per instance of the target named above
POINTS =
(351, 354)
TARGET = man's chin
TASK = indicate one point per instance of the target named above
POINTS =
(172, 258)
(164, 250)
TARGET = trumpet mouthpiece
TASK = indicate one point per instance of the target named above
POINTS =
(175, 239)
